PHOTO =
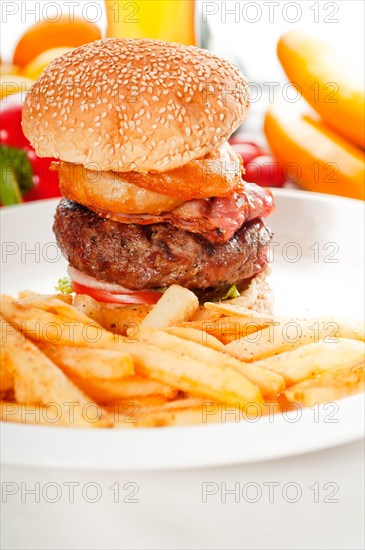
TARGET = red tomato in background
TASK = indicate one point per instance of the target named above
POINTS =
(45, 180)
(266, 171)
(261, 168)
(241, 138)
(11, 134)
(247, 151)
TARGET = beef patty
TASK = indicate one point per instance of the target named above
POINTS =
(158, 255)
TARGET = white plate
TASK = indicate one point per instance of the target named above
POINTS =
(317, 269)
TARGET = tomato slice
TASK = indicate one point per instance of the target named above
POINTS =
(130, 297)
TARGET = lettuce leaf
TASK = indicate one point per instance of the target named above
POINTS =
(64, 286)
(231, 293)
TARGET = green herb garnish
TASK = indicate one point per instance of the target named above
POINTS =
(64, 286)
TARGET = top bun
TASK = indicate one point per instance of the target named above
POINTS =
(134, 105)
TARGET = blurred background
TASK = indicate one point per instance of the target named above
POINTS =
(307, 106)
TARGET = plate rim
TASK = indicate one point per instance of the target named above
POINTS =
(103, 453)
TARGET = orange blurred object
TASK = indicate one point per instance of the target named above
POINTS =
(329, 83)
(35, 68)
(317, 157)
(13, 84)
(8, 68)
(171, 20)
(46, 35)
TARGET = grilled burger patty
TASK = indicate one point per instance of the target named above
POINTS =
(158, 255)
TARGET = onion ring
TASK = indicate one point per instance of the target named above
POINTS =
(217, 174)
(106, 191)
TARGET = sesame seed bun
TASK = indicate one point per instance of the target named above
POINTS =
(134, 105)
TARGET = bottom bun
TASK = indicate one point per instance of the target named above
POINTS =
(264, 300)
(154, 256)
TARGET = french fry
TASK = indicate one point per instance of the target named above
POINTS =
(229, 309)
(192, 375)
(330, 386)
(6, 374)
(44, 326)
(89, 307)
(38, 380)
(28, 295)
(113, 317)
(228, 329)
(105, 391)
(88, 362)
(187, 402)
(177, 304)
(6, 298)
(203, 314)
(139, 402)
(198, 336)
(311, 360)
(165, 418)
(181, 364)
(54, 304)
(290, 334)
(270, 383)
(151, 411)
(182, 412)
(6, 382)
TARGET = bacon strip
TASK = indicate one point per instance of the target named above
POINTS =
(217, 218)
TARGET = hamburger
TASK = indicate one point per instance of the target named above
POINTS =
(153, 193)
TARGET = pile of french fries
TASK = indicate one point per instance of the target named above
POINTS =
(72, 361)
